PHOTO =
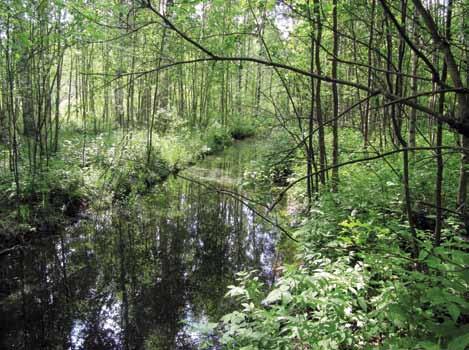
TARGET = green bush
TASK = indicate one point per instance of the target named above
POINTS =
(217, 139)
(242, 129)
(135, 172)
(371, 296)
(276, 161)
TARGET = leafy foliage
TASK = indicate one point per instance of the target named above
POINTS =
(372, 296)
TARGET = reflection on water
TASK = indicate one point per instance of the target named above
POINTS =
(135, 276)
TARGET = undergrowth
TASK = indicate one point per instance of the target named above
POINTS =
(355, 282)
(108, 165)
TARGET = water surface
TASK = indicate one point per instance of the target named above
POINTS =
(139, 274)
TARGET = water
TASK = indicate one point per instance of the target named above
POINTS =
(139, 274)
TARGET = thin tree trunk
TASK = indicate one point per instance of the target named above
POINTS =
(319, 115)
(335, 102)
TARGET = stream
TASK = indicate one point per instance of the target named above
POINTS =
(139, 275)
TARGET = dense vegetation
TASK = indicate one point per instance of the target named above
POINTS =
(364, 110)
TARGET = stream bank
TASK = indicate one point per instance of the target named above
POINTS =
(96, 166)
(140, 273)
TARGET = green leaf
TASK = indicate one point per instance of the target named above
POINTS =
(454, 311)
(459, 343)
(235, 317)
(362, 303)
(427, 345)
(273, 297)
(236, 291)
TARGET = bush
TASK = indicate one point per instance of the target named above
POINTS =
(276, 162)
(242, 129)
(47, 201)
(134, 172)
(217, 139)
(181, 150)
(373, 295)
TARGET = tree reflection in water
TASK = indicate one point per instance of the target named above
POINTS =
(134, 275)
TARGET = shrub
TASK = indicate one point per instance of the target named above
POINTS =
(217, 139)
(373, 295)
(242, 129)
(135, 172)
(276, 162)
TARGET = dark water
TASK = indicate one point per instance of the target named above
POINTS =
(138, 275)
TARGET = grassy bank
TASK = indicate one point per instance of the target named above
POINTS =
(110, 165)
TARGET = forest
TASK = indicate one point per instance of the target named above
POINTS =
(234, 174)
